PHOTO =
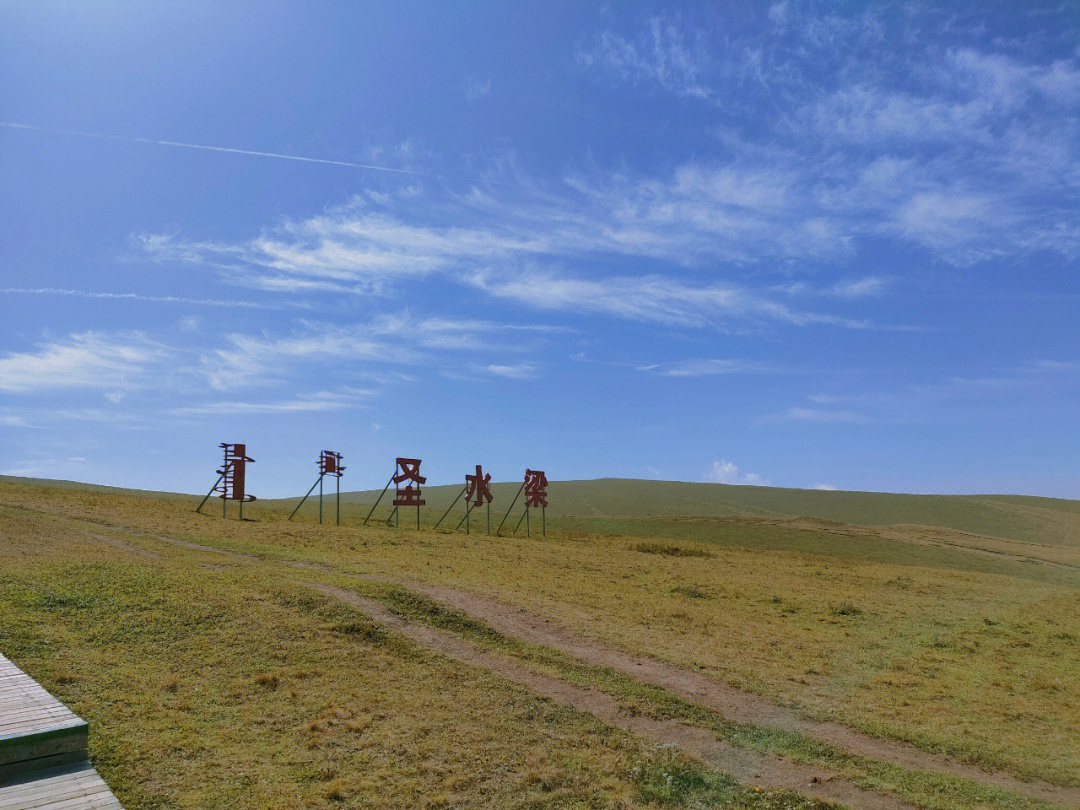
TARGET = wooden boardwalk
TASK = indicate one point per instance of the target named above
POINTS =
(43, 762)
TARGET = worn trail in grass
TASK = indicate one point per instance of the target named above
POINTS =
(743, 764)
(733, 705)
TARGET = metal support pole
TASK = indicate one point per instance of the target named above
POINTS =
(297, 509)
(520, 520)
(447, 512)
(241, 510)
(320, 500)
(224, 506)
(338, 479)
(528, 520)
(543, 519)
(388, 483)
(393, 517)
(211, 492)
(467, 511)
(418, 517)
(508, 511)
(489, 517)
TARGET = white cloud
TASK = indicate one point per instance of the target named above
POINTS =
(968, 153)
(43, 466)
(474, 88)
(319, 401)
(13, 421)
(85, 360)
(517, 371)
(826, 415)
(726, 472)
(663, 57)
(166, 299)
(658, 299)
(387, 340)
(706, 367)
(825, 487)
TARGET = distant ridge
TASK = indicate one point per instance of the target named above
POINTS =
(1026, 518)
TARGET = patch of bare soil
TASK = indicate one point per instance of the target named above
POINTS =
(732, 704)
(747, 766)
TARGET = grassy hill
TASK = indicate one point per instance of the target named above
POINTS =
(595, 504)
(584, 503)
(227, 663)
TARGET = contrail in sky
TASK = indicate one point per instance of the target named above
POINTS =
(168, 299)
(106, 136)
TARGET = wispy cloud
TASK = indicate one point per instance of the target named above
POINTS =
(165, 299)
(704, 367)
(826, 415)
(879, 130)
(44, 466)
(663, 56)
(474, 88)
(658, 299)
(389, 340)
(727, 472)
(517, 371)
(696, 216)
(303, 403)
(85, 360)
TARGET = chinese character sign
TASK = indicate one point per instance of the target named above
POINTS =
(408, 470)
(234, 473)
(535, 488)
(330, 463)
(476, 486)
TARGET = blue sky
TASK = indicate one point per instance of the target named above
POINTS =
(809, 245)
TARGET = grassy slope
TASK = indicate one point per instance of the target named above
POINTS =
(227, 686)
(1022, 518)
(921, 643)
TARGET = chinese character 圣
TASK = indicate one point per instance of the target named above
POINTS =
(408, 469)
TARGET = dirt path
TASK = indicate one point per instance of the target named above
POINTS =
(731, 703)
(747, 766)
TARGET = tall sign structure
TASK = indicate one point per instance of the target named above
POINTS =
(535, 488)
(329, 464)
(232, 478)
(476, 494)
(406, 471)
(536, 484)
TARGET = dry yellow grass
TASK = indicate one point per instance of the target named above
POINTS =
(979, 664)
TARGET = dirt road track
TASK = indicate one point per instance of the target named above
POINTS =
(747, 766)
(732, 704)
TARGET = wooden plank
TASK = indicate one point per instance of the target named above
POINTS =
(64, 788)
(47, 713)
(34, 747)
(17, 732)
(43, 762)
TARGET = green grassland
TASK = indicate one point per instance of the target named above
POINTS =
(1026, 519)
(211, 682)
